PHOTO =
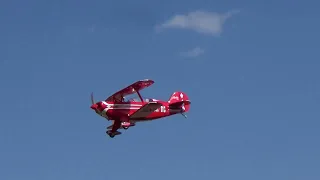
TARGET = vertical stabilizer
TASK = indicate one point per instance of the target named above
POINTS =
(179, 100)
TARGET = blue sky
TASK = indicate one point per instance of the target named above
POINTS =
(250, 68)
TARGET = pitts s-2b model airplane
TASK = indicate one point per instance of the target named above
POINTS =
(125, 113)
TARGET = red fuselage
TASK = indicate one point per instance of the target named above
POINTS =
(117, 111)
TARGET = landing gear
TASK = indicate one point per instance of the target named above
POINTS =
(184, 115)
(112, 134)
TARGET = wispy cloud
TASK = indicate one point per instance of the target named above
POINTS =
(92, 28)
(210, 23)
(195, 52)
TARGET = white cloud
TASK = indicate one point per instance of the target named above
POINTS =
(193, 52)
(200, 21)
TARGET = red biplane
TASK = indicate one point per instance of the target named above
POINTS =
(126, 113)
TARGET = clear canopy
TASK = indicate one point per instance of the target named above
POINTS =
(135, 98)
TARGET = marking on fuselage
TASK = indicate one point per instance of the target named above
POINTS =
(121, 105)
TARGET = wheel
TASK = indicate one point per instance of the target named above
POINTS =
(125, 127)
(110, 134)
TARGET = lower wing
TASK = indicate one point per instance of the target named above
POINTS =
(144, 111)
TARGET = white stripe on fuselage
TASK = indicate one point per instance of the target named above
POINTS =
(123, 108)
(105, 110)
(121, 105)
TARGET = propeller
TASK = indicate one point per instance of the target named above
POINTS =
(92, 101)
(93, 106)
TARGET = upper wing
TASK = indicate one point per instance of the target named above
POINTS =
(137, 86)
(145, 110)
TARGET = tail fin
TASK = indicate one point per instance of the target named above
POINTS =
(179, 100)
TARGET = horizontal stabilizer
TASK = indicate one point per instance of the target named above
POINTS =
(179, 104)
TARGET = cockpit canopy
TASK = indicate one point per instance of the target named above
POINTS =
(136, 98)
(139, 100)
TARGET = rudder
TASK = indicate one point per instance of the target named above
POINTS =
(180, 99)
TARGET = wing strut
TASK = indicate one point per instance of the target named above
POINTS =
(139, 95)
